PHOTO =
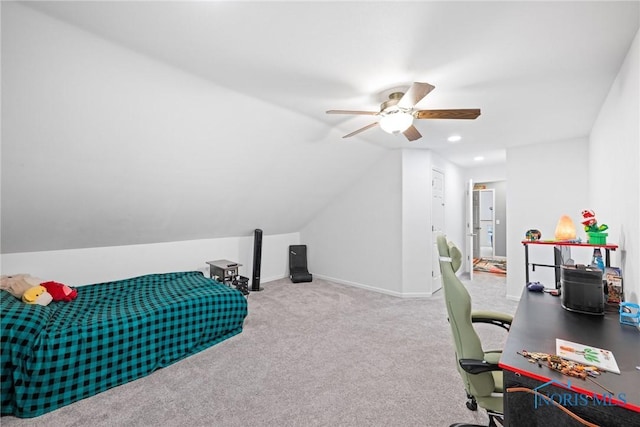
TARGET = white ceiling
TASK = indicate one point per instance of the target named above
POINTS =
(539, 71)
(142, 122)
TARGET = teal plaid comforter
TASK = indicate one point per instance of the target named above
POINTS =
(110, 334)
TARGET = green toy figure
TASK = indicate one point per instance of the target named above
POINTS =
(590, 223)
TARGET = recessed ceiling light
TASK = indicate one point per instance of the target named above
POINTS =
(454, 138)
(478, 158)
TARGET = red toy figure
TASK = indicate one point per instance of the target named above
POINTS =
(60, 292)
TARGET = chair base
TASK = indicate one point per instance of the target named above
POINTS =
(472, 405)
(301, 277)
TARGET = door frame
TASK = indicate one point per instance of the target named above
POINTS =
(436, 281)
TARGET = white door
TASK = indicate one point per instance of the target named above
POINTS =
(469, 229)
(437, 224)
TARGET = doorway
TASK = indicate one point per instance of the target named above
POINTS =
(489, 226)
(437, 225)
(484, 223)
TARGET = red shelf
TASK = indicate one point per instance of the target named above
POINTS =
(563, 243)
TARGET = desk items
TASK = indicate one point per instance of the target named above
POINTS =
(539, 287)
(600, 358)
(556, 363)
(533, 235)
(565, 230)
(604, 398)
(582, 289)
(630, 314)
(561, 255)
(575, 360)
(593, 230)
(535, 286)
(615, 289)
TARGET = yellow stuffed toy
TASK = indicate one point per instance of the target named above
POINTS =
(37, 295)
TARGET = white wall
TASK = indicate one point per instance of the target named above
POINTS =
(76, 267)
(544, 182)
(455, 187)
(416, 223)
(356, 239)
(377, 235)
(601, 173)
(417, 239)
(614, 159)
(487, 173)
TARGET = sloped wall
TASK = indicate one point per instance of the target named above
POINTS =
(102, 147)
(357, 238)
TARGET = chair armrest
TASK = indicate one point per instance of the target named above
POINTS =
(474, 366)
(499, 319)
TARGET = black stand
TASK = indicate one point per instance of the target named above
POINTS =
(257, 255)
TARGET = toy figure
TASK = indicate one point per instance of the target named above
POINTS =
(37, 295)
(590, 223)
(533, 235)
(59, 291)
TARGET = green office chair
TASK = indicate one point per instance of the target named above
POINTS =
(478, 368)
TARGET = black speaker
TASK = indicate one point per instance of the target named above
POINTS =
(257, 255)
(582, 289)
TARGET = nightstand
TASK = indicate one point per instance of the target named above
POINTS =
(223, 270)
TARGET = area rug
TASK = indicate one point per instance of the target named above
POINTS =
(490, 265)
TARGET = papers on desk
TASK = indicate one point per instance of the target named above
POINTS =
(587, 355)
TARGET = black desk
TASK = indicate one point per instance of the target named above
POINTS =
(539, 320)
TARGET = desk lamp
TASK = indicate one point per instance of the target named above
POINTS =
(566, 229)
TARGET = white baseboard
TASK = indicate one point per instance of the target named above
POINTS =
(271, 279)
(373, 288)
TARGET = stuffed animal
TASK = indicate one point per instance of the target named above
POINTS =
(18, 284)
(60, 292)
(590, 223)
(37, 295)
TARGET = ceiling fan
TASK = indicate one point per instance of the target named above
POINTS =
(398, 112)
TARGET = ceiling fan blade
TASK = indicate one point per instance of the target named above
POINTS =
(416, 92)
(412, 133)
(365, 113)
(471, 114)
(361, 129)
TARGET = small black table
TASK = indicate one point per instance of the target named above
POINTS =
(224, 270)
(538, 321)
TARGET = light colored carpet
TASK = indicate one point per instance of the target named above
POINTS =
(311, 354)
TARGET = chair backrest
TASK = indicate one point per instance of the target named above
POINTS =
(458, 302)
(298, 258)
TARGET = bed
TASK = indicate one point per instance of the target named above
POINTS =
(112, 333)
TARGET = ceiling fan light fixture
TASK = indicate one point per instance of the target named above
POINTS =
(396, 114)
(396, 121)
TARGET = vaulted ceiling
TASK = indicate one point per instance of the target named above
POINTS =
(138, 122)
